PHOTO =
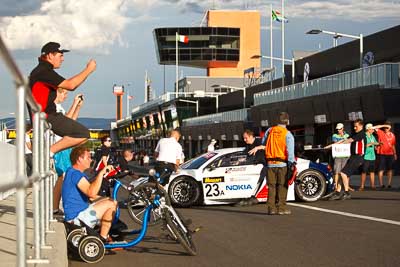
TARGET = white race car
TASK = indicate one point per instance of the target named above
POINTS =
(229, 175)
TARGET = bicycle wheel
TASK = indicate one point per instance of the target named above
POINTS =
(181, 234)
(137, 203)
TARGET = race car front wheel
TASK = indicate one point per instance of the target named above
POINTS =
(184, 191)
(310, 185)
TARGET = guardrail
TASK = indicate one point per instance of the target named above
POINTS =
(386, 75)
(42, 178)
(171, 96)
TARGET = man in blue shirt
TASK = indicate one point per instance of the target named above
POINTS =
(76, 192)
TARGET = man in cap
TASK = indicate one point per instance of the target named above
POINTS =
(44, 82)
(339, 162)
(356, 159)
(369, 157)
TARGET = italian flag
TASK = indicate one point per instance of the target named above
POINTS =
(182, 38)
(277, 16)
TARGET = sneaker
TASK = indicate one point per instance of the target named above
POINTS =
(253, 200)
(242, 203)
(336, 196)
(284, 212)
(389, 186)
(58, 212)
(361, 189)
(271, 211)
(346, 195)
(382, 186)
(327, 196)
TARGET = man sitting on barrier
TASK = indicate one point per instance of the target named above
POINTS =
(76, 192)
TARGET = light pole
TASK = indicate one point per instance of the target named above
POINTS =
(233, 87)
(291, 61)
(128, 95)
(338, 35)
(193, 102)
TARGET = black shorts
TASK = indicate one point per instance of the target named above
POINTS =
(368, 166)
(64, 126)
(164, 169)
(354, 162)
(385, 162)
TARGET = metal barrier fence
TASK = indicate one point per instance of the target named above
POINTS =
(386, 75)
(227, 116)
(42, 179)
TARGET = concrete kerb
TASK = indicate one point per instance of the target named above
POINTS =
(57, 256)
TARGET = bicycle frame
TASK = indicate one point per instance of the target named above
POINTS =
(141, 232)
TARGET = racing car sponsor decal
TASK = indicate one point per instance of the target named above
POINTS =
(219, 179)
(213, 190)
(238, 179)
(234, 187)
(235, 169)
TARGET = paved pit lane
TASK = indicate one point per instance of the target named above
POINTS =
(247, 236)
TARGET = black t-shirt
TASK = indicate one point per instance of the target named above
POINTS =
(123, 163)
(45, 73)
(259, 156)
(359, 142)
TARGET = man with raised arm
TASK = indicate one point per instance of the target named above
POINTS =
(44, 82)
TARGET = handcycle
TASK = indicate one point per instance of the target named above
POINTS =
(174, 222)
(86, 242)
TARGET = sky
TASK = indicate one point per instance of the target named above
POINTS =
(118, 35)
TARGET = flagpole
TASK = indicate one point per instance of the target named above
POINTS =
(145, 87)
(271, 44)
(283, 43)
(270, 37)
(176, 62)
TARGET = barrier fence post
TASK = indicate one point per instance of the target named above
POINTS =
(38, 170)
(21, 191)
(48, 181)
(35, 187)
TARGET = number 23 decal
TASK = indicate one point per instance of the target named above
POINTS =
(213, 190)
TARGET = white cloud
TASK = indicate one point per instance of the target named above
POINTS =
(352, 10)
(96, 25)
(80, 25)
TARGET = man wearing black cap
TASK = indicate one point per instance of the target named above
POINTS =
(44, 82)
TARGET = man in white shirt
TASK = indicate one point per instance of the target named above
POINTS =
(168, 153)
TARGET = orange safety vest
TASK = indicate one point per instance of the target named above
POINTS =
(275, 147)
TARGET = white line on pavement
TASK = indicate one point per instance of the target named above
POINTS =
(348, 214)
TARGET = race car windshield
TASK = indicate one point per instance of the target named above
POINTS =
(198, 162)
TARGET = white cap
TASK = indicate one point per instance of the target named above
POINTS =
(213, 141)
(339, 126)
(369, 126)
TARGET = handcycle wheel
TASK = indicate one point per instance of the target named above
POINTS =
(73, 239)
(91, 249)
(180, 233)
(137, 204)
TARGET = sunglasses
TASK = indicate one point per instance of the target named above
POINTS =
(108, 140)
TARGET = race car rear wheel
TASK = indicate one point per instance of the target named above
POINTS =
(310, 186)
(184, 191)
